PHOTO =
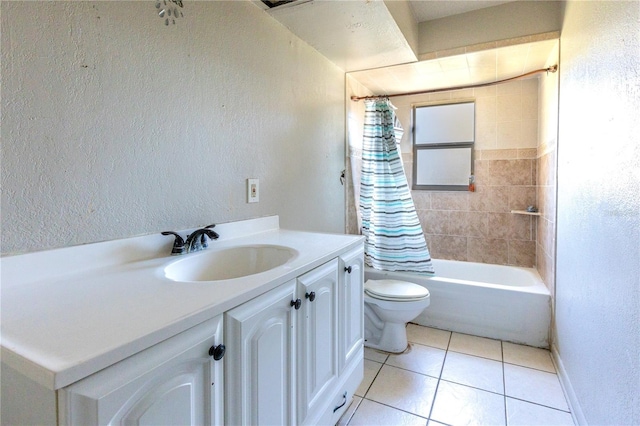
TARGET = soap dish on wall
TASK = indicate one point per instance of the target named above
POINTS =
(526, 212)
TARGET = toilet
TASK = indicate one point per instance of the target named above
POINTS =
(388, 306)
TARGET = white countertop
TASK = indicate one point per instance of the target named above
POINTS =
(61, 325)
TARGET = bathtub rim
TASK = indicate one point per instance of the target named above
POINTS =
(537, 285)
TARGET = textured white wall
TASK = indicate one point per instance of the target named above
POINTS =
(114, 124)
(598, 240)
(509, 20)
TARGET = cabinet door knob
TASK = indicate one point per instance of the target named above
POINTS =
(311, 296)
(296, 303)
(217, 352)
(348, 269)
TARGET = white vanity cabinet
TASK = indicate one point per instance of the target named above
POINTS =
(351, 295)
(174, 382)
(295, 353)
(318, 342)
(120, 340)
(261, 351)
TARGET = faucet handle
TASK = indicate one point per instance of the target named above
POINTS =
(212, 234)
(178, 244)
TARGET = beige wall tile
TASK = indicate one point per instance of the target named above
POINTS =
(489, 199)
(481, 172)
(530, 107)
(500, 154)
(522, 253)
(522, 228)
(434, 221)
(513, 41)
(499, 225)
(486, 109)
(458, 223)
(529, 133)
(508, 134)
(481, 46)
(508, 107)
(421, 199)
(529, 86)
(451, 52)
(486, 135)
(450, 200)
(510, 88)
(546, 236)
(521, 197)
(487, 250)
(510, 172)
(447, 247)
(527, 153)
(442, 96)
(462, 94)
(485, 91)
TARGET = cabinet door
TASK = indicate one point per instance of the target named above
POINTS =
(260, 360)
(351, 305)
(174, 382)
(317, 339)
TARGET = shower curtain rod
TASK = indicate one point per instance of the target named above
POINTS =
(552, 68)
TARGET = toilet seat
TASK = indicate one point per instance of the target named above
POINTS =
(395, 290)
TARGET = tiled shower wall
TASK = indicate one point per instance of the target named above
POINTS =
(547, 176)
(479, 226)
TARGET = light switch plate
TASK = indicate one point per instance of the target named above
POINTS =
(253, 190)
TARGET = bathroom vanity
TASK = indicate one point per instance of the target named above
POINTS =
(263, 327)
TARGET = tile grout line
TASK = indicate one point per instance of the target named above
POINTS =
(395, 408)
(449, 348)
(504, 384)
(435, 392)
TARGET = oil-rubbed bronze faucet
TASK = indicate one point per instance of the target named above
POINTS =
(196, 241)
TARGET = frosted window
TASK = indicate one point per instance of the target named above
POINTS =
(450, 123)
(443, 167)
(443, 141)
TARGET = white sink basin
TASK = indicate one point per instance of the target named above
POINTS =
(225, 264)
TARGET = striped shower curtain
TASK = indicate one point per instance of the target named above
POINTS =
(394, 238)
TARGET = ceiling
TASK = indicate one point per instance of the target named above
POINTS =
(453, 71)
(427, 10)
(363, 38)
(354, 35)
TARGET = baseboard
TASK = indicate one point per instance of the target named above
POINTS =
(572, 400)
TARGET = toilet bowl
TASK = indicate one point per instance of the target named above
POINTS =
(388, 306)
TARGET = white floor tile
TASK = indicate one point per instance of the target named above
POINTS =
(478, 346)
(482, 373)
(421, 359)
(521, 413)
(535, 386)
(344, 420)
(428, 336)
(405, 390)
(461, 405)
(528, 356)
(375, 355)
(371, 413)
(371, 369)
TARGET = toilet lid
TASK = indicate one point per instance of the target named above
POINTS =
(395, 290)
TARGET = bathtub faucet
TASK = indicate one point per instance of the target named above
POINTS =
(196, 241)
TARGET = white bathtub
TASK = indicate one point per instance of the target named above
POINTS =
(500, 302)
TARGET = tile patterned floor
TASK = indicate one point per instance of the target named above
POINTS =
(457, 379)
